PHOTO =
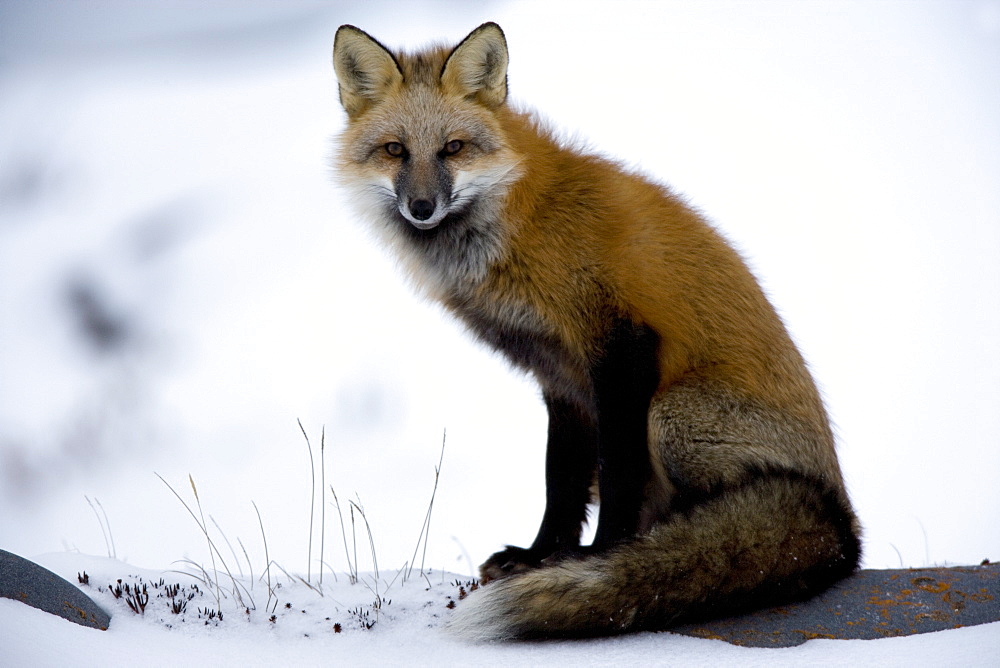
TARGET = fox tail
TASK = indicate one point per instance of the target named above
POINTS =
(777, 538)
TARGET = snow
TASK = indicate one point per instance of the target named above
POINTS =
(410, 631)
(180, 281)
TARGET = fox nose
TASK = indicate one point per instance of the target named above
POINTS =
(422, 209)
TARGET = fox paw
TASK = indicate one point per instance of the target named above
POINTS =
(508, 562)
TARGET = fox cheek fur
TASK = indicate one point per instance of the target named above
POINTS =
(668, 377)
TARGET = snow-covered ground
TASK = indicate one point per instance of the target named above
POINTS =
(180, 281)
(409, 631)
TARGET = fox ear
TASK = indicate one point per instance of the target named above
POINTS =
(477, 68)
(365, 69)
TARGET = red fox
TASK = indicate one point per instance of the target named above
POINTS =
(676, 398)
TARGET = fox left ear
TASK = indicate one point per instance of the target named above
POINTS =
(477, 67)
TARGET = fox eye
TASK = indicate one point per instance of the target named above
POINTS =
(395, 149)
(453, 147)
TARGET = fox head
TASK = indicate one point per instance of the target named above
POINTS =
(424, 150)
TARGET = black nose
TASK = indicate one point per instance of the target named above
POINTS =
(422, 209)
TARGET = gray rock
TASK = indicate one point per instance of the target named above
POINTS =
(26, 581)
(870, 604)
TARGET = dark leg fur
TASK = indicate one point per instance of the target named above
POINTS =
(624, 380)
(624, 383)
(570, 463)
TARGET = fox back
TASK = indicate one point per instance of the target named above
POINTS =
(668, 377)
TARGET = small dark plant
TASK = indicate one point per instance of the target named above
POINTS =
(361, 614)
(210, 614)
(137, 598)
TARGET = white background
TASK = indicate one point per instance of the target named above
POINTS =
(172, 160)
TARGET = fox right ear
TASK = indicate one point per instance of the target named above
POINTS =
(366, 70)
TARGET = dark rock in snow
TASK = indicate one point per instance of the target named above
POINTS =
(870, 604)
(26, 581)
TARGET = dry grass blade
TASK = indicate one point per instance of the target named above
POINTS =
(212, 548)
(228, 544)
(204, 528)
(352, 572)
(105, 531)
(322, 503)
(312, 500)
(426, 528)
(267, 558)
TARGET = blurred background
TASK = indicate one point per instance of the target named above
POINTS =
(180, 279)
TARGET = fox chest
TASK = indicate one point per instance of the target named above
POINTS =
(522, 335)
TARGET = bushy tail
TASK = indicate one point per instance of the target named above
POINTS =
(777, 538)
